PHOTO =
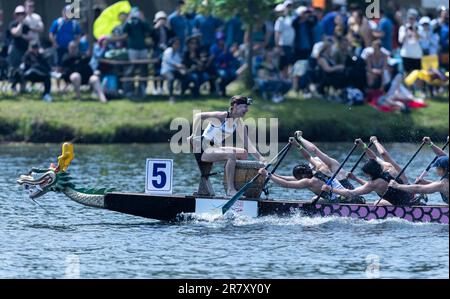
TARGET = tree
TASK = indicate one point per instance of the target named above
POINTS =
(252, 13)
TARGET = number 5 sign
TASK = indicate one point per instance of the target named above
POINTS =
(158, 179)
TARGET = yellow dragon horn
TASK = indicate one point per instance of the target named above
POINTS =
(66, 156)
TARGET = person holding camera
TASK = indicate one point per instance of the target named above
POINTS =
(408, 36)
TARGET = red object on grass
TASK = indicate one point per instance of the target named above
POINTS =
(374, 95)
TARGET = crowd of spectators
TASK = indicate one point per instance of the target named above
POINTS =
(338, 54)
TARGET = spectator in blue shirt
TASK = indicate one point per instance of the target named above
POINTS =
(135, 31)
(234, 32)
(303, 26)
(63, 31)
(190, 20)
(318, 27)
(440, 26)
(225, 63)
(385, 31)
(207, 26)
(332, 19)
(179, 23)
(328, 23)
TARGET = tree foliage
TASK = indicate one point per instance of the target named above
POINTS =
(251, 12)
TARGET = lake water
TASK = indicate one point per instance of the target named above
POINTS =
(75, 241)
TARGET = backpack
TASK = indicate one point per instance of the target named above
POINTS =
(354, 96)
(110, 85)
(60, 23)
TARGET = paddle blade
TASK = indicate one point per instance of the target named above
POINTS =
(237, 196)
(315, 200)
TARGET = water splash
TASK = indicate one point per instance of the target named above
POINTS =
(298, 219)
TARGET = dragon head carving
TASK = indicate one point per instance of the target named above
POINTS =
(55, 178)
(40, 181)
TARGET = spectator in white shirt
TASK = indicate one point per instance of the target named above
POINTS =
(429, 41)
(172, 67)
(34, 21)
(408, 36)
(285, 36)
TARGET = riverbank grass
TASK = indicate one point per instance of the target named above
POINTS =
(28, 118)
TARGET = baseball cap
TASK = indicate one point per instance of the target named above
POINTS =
(301, 10)
(279, 7)
(441, 162)
(19, 9)
(160, 15)
(425, 20)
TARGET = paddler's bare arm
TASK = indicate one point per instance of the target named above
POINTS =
(356, 179)
(368, 151)
(439, 152)
(297, 184)
(305, 153)
(312, 148)
(365, 189)
(287, 178)
(423, 182)
(386, 156)
(433, 187)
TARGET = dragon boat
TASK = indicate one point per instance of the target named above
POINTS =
(38, 182)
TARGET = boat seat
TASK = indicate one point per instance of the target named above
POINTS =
(205, 188)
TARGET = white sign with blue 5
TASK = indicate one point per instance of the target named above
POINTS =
(159, 174)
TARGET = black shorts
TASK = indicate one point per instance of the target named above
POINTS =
(411, 64)
(287, 57)
(398, 198)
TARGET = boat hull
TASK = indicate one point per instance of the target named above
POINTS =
(170, 208)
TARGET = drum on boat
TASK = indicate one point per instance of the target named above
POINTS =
(246, 171)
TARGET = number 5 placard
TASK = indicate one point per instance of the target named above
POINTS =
(158, 179)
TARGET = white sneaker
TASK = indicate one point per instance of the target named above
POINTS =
(307, 95)
(56, 75)
(47, 98)
(277, 99)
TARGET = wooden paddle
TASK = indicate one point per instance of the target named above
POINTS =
(244, 188)
(402, 171)
(329, 182)
(422, 175)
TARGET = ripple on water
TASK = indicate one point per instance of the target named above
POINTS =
(35, 244)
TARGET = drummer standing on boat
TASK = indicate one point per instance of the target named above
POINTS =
(209, 147)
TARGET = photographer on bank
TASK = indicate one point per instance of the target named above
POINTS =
(409, 38)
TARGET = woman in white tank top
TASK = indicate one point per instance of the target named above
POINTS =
(223, 124)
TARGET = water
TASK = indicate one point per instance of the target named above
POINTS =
(75, 241)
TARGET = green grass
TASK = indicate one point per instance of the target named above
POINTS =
(28, 118)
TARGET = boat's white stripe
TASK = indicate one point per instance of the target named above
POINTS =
(214, 206)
